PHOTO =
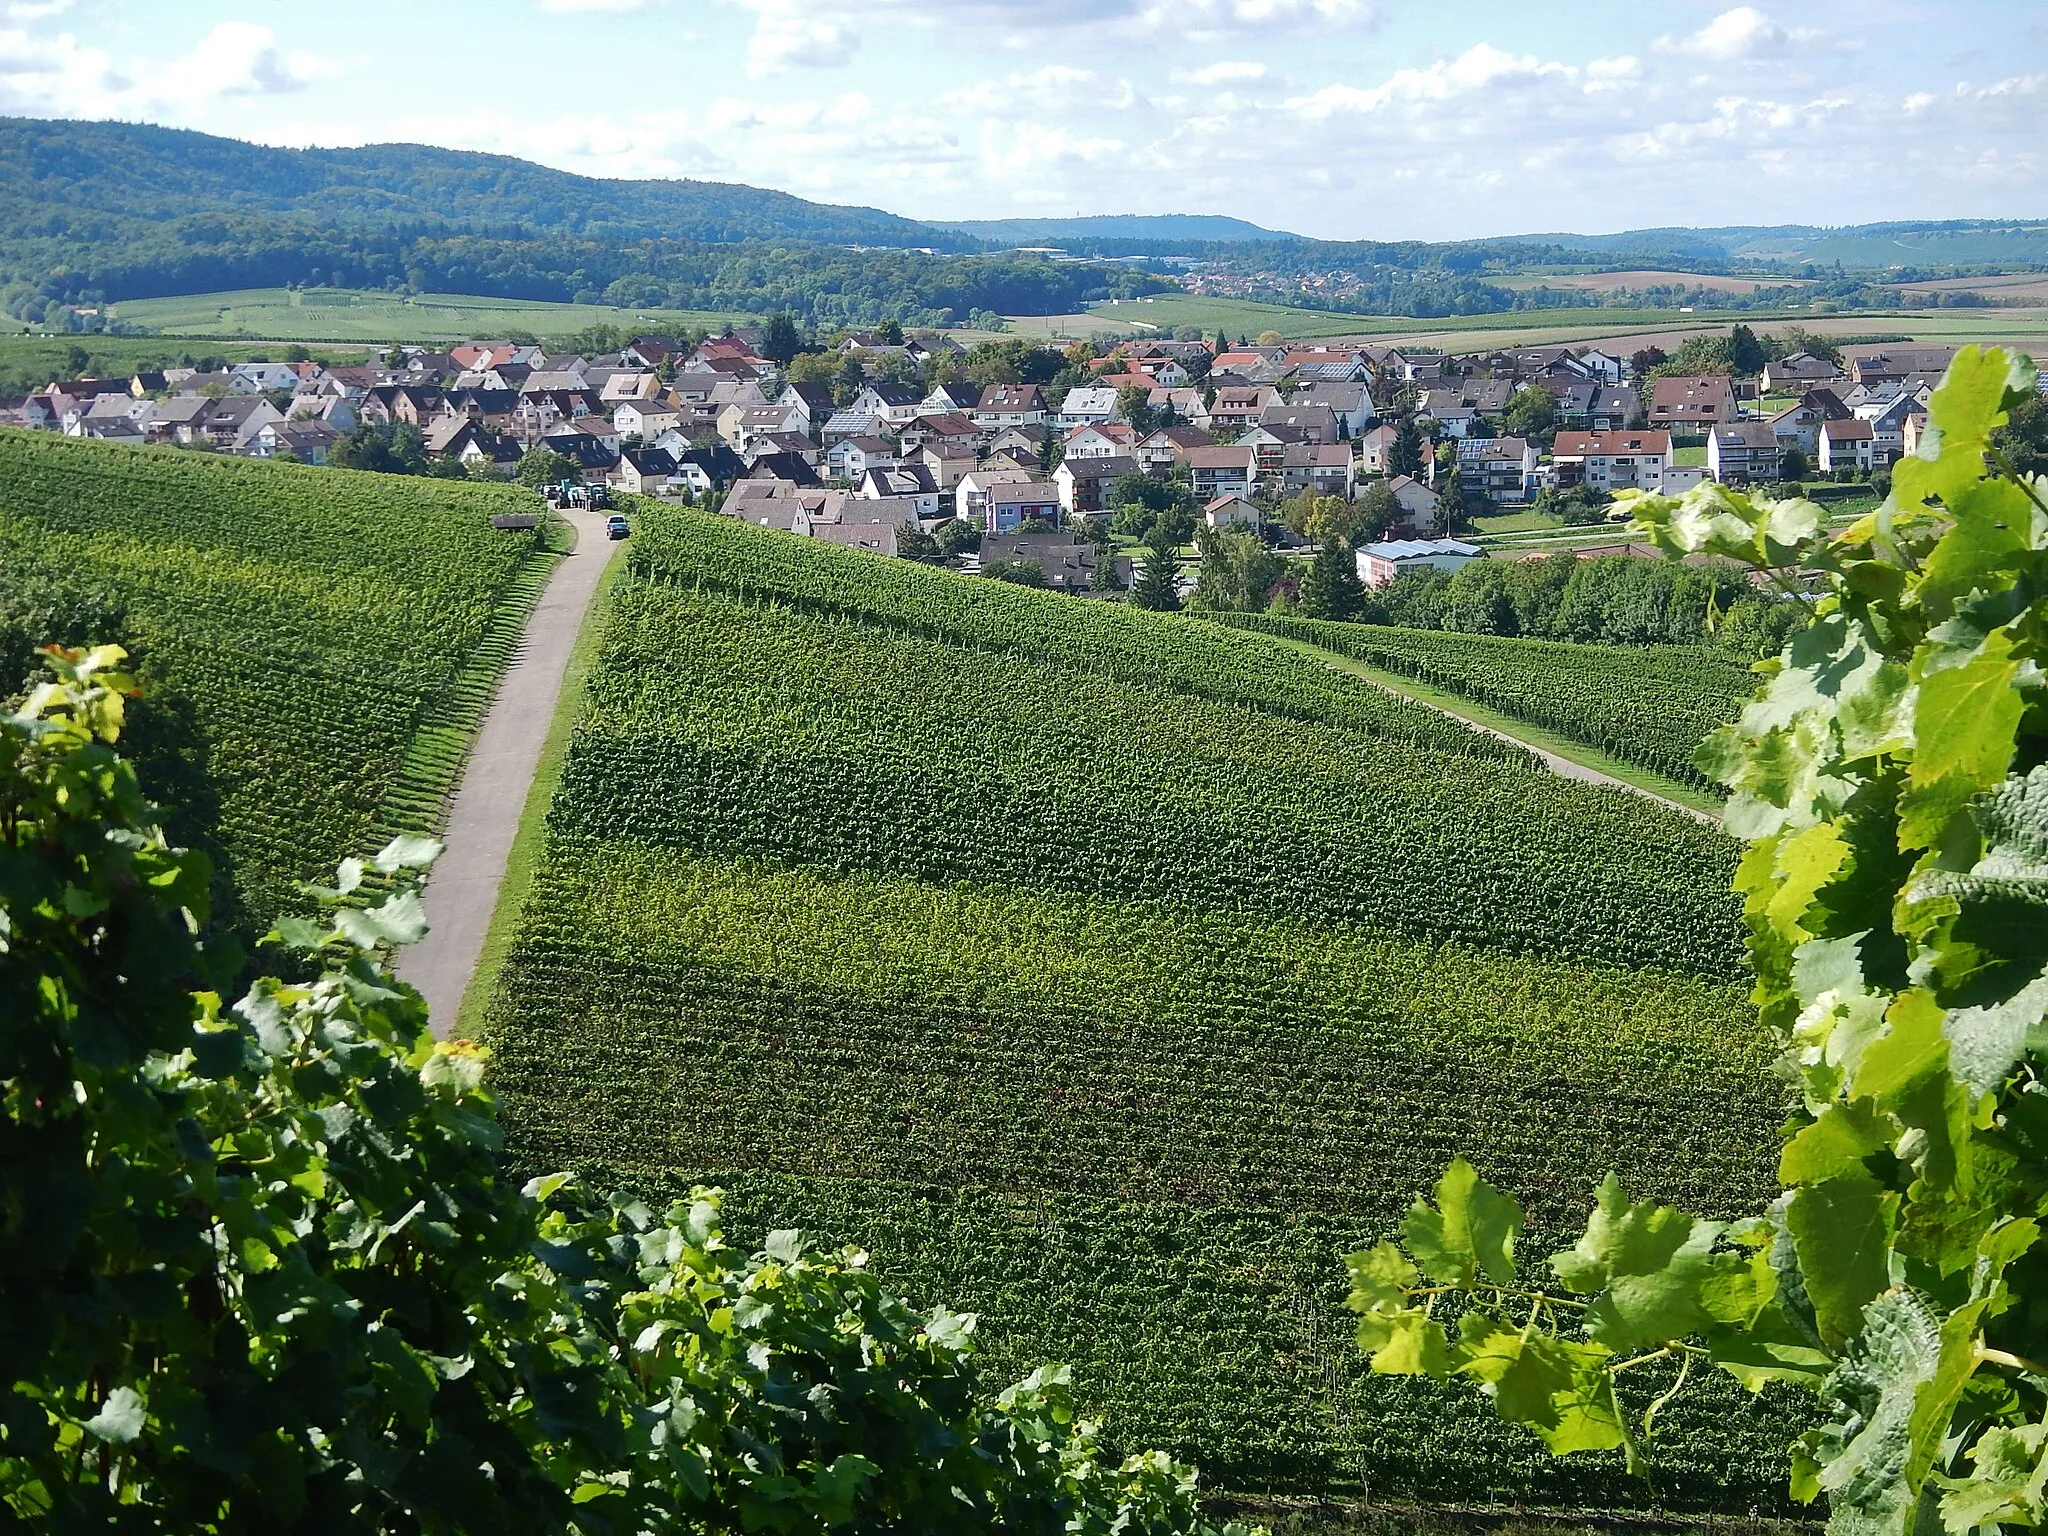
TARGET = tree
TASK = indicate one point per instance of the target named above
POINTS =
(957, 537)
(392, 448)
(544, 466)
(1893, 810)
(1237, 570)
(1450, 501)
(1269, 338)
(1745, 353)
(890, 333)
(1322, 519)
(780, 338)
(913, 543)
(1331, 589)
(1023, 573)
(1792, 465)
(1404, 454)
(1155, 588)
(1532, 413)
(1378, 510)
(1103, 578)
(261, 1269)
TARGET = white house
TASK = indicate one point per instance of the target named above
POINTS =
(970, 495)
(1613, 461)
(1847, 445)
(853, 458)
(1379, 564)
(1233, 512)
(1089, 406)
(1221, 471)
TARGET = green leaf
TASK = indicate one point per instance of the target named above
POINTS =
(407, 853)
(1838, 1141)
(1842, 1233)
(2007, 1484)
(1646, 1261)
(1407, 1344)
(1863, 1453)
(1964, 725)
(1380, 1277)
(1472, 1229)
(1992, 521)
(121, 1418)
(1531, 1379)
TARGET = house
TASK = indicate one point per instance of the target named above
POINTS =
(1084, 483)
(956, 398)
(1089, 406)
(791, 467)
(593, 460)
(1374, 447)
(1069, 567)
(642, 352)
(1233, 512)
(1350, 404)
(874, 538)
(1585, 405)
(1220, 471)
(1416, 503)
(701, 471)
(741, 424)
(645, 419)
(1328, 469)
(627, 384)
(1011, 505)
(1009, 405)
(307, 441)
(645, 471)
(1157, 452)
(233, 421)
(1029, 443)
(1847, 445)
(973, 489)
(945, 427)
(1801, 371)
(909, 483)
(1888, 426)
(448, 437)
(1744, 452)
(1103, 442)
(1798, 426)
(1379, 564)
(814, 400)
(1692, 404)
(846, 423)
(855, 456)
(1233, 410)
(1896, 363)
(1497, 469)
(1178, 404)
(896, 404)
(1612, 461)
(789, 443)
(1315, 423)
(946, 462)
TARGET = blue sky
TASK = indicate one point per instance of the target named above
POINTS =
(1338, 118)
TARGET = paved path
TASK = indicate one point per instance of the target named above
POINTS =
(1563, 767)
(462, 892)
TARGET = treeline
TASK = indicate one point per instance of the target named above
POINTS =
(1611, 600)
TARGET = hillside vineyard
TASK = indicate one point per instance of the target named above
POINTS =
(316, 645)
(1110, 974)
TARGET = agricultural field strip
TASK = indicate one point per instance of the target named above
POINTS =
(1650, 706)
(708, 718)
(326, 635)
(1108, 1123)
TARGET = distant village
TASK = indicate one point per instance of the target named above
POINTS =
(877, 441)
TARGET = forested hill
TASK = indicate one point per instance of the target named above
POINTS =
(1167, 227)
(138, 172)
(100, 212)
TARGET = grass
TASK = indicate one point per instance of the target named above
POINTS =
(340, 314)
(1643, 780)
(530, 842)
(1526, 521)
(1690, 457)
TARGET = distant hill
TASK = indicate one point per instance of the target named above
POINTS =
(120, 171)
(1928, 243)
(1167, 227)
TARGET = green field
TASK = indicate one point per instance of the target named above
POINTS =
(334, 314)
(1648, 706)
(318, 644)
(1110, 974)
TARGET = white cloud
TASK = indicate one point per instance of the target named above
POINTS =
(35, 10)
(791, 35)
(61, 77)
(1481, 67)
(1745, 33)
(1223, 72)
(584, 7)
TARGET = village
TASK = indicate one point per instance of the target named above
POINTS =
(921, 447)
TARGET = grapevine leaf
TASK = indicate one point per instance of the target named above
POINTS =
(407, 853)
(2007, 1485)
(120, 1419)
(1844, 1134)
(1842, 1232)
(1647, 1261)
(1992, 520)
(1964, 722)
(1380, 1277)
(1410, 1344)
(1863, 1453)
(1806, 861)
(1471, 1229)
(1985, 1043)
(1526, 1376)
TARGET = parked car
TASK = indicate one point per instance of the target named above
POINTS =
(616, 527)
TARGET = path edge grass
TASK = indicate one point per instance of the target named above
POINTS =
(530, 842)
(1644, 781)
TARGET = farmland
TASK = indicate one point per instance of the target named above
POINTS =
(1109, 974)
(339, 314)
(319, 643)
(1650, 707)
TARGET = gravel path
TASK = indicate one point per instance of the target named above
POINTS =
(462, 892)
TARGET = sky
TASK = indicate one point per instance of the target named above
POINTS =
(1343, 119)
